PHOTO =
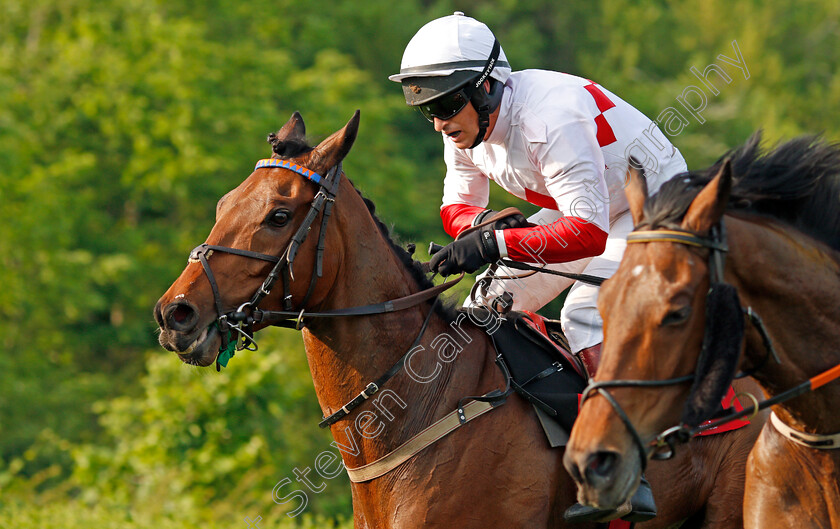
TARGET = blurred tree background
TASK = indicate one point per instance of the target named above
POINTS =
(123, 121)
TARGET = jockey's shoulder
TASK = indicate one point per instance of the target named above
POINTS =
(542, 96)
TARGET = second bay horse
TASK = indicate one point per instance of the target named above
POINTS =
(756, 234)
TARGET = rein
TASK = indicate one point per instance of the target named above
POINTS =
(283, 318)
(821, 441)
(682, 433)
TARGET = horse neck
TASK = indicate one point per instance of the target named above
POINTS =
(791, 282)
(345, 354)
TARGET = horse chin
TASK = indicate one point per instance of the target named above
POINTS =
(203, 351)
(615, 496)
(614, 493)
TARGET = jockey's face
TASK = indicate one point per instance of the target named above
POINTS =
(462, 128)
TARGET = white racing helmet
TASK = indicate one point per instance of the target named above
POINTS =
(453, 49)
(446, 55)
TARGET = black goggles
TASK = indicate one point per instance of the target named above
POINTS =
(446, 106)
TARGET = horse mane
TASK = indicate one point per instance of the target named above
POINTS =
(415, 268)
(796, 182)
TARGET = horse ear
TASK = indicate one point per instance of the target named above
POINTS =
(636, 190)
(333, 149)
(708, 207)
(292, 133)
(294, 129)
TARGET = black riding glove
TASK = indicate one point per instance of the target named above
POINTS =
(467, 254)
(511, 221)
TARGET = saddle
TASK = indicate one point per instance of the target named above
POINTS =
(535, 352)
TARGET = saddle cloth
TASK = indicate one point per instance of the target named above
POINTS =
(543, 370)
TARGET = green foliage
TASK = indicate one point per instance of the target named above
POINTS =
(196, 437)
(124, 121)
(65, 514)
(193, 437)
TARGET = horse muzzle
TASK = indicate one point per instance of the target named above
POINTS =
(181, 333)
(605, 479)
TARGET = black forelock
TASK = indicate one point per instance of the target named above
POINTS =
(288, 148)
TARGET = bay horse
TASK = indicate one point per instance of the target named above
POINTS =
(675, 303)
(268, 253)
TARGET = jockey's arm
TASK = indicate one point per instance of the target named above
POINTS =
(566, 239)
(466, 192)
(458, 217)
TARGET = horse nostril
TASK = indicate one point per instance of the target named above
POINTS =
(181, 316)
(600, 465)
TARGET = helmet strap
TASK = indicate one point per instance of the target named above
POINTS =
(481, 100)
(483, 123)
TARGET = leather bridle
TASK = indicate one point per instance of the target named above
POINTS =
(667, 440)
(242, 319)
(663, 445)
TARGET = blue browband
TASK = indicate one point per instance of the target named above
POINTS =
(285, 164)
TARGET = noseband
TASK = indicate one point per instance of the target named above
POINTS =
(242, 319)
(666, 440)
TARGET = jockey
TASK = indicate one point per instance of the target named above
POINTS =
(555, 140)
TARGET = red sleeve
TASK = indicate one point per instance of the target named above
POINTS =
(567, 239)
(458, 217)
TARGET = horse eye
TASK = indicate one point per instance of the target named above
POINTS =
(279, 217)
(676, 317)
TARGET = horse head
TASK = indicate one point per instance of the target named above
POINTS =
(658, 319)
(263, 251)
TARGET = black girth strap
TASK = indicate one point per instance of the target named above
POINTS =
(497, 397)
